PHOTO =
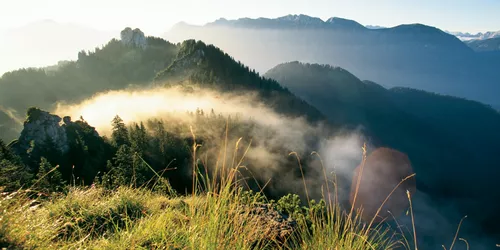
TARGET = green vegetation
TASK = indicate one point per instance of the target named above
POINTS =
(13, 174)
(127, 218)
(216, 215)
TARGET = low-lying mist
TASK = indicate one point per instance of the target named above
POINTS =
(273, 135)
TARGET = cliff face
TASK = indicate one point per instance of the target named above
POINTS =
(41, 130)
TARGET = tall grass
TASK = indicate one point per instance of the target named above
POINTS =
(218, 214)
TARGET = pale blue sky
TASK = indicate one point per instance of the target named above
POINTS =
(156, 16)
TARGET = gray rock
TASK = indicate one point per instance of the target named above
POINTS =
(42, 129)
(134, 37)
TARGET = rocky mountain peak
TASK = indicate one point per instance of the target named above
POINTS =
(133, 37)
(301, 19)
(344, 23)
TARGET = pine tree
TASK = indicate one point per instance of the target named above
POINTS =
(13, 174)
(119, 135)
(48, 179)
(139, 138)
(123, 161)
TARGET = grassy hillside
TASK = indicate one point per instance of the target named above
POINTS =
(93, 218)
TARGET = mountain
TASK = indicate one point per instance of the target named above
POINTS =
(209, 66)
(132, 60)
(201, 66)
(412, 55)
(485, 45)
(46, 42)
(490, 34)
(451, 141)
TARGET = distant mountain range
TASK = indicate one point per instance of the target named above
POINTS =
(465, 36)
(411, 55)
(290, 21)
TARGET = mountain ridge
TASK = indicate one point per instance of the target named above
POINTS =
(208, 65)
(410, 55)
(301, 21)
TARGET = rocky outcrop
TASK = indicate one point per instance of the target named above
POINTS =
(134, 37)
(61, 141)
(43, 130)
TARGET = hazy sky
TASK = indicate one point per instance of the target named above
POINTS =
(156, 16)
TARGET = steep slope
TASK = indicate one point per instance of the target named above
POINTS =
(414, 55)
(450, 141)
(118, 64)
(207, 65)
